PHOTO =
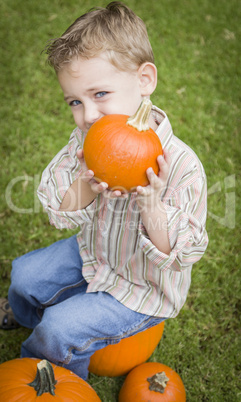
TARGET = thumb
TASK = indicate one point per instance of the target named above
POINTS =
(80, 154)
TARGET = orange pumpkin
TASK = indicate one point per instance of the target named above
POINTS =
(119, 149)
(119, 359)
(152, 382)
(29, 379)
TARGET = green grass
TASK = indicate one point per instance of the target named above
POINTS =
(197, 49)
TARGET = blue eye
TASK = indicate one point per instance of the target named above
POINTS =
(75, 103)
(100, 94)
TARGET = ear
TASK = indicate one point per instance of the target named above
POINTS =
(147, 78)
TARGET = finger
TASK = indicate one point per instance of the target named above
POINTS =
(110, 194)
(143, 191)
(153, 178)
(140, 190)
(87, 176)
(167, 157)
(163, 166)
(80, 154)
(98, 187)
(116, 193)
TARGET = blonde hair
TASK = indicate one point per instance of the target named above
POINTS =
(116, 30)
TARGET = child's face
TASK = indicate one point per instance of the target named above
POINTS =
(94, 88)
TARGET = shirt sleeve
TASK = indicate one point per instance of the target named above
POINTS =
(186, 209)
(56, 179)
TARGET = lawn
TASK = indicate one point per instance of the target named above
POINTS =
(197, 47)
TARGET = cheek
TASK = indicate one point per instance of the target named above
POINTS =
(128, 103)
(133, 99)
(77, 118)
(132, 104)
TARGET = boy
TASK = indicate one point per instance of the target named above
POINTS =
(129, 267)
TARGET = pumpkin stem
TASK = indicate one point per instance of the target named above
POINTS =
(140, 120)
(44, 380)
(158, 382)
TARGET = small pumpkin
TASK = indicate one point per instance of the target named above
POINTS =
(152, 382)
(30, 379)
(119, 149)
(119, 359)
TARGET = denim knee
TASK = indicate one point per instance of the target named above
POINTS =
(23, 272)
(52, 337)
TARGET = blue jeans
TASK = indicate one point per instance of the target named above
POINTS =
(48, 293)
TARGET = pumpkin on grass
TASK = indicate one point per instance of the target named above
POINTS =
(119, 359)
(30, 379)
(152, 382)
(119, 149)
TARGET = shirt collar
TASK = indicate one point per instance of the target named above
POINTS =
(164, 129)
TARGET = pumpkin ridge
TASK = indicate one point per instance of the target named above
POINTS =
(136, 157)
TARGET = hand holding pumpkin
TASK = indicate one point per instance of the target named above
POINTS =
(88, 175)
(152, 209)
(96, 186)
(150, 195)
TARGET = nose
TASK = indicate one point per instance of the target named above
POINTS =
(91, 114)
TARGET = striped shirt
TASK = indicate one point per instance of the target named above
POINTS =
(118, 256)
